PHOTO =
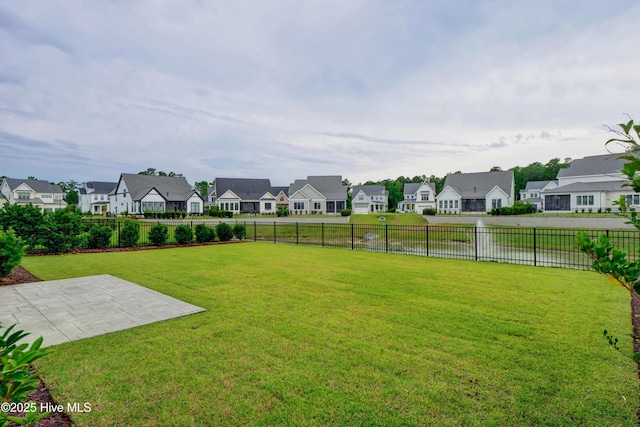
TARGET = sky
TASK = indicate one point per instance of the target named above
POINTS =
(285, 89)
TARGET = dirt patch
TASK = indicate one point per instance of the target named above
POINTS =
(19, 275)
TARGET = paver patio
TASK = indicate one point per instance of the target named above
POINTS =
(71, 309)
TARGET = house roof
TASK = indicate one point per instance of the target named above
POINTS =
(38, 185)
(535, 185)
(370, 190)
(478, 184)
(172, 188)
(101, 187)
(276, 190)
(594, 165)
(590, 186)
(244, 188)
(330, 186)
(411, 187)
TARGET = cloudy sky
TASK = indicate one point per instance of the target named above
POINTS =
(284, 89)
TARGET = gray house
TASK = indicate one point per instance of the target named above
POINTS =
(476, 192)
(317, 195)
(244, 195)
(135, 193)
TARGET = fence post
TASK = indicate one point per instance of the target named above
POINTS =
(274, 231)
(386, 238)
(297, 234)
(475, 238)
(323, 234)
(427, 237)
(255, 232)
(535, 248)
(119, 233)
(352, 246)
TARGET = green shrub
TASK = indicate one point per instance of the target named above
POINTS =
(18, 380)
(205, 234)
(428, 211)
(99, 236)
(158, 235)
(240, 231)
(345, 212)
(518, 208)
(282, 210)
(27, 222)
(183, 234)
(11, 251)
(130, 234)
(64, 230)
(224, 231)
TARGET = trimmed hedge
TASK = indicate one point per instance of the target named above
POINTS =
(99, 236)
(11, 251)
(158, 235)
(183, 234)
(518, 208)
(205, 234)
(130, 234)
(224, 232)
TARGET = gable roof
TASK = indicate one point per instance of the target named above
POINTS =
(244, 188)
(330, 186)
(410, 188)
(100, 187)
(478, 184)
(171, 188)
(370, 190)
(276, 190)
(535, 185)
(594, 165)
(38, 185)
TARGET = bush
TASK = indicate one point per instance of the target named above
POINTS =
(11, 251)
(158, 235)
(183, 234)
(205, 234)
(130, 234)
(99, 236)
(240, 231)
(282, 210)
(345, 212)
(64, 230)
(27, 222)
(518, 208)
(428, 211)
(224, 231)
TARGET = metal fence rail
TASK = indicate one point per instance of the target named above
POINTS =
(553, 247)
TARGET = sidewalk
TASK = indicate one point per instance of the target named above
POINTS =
(71, 309)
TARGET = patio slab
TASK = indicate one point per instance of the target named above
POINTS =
(71, 309)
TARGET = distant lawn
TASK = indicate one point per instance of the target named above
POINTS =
(388, 218)
(311, 336)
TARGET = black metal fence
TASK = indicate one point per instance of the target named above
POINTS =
(553, 247)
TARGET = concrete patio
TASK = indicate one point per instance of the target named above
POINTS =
(71, 309)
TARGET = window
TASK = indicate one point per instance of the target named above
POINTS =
(633, 199)
(58, 197)
(456, 204)
(102, 197)
(281, 198)
(195, 207)
(424, 196)
(152, 206)
(24, 196)
(361, 197)
(440, 203)
(95, 197)
(317, 206)
(237, 206)
(298, 206)
(496, 203)
(446, 204)
(584, 200)
(46, 196)
(267, 206)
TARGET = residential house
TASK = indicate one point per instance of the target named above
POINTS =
(476, 192)
(532, 193)
(417, 197)
(282, 196)
(136, 194)
(369, 199)
(590, 183)
(245, 195)
(93, 196)
(317, 195)
(39, 193)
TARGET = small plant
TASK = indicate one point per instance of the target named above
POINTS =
(130, 234)
(158, 235)
(240, 231)
(224, 232)
(345, 212)
(17, 380)
(428, 211)
(607, 210)
(282, 210)
(183, 234)
(11, 251)
(99, 236)
(205, 234)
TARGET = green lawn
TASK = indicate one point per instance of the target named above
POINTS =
(388, 218)
(311, 336)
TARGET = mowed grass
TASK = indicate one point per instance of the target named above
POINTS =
(388, 218)
(311, 336)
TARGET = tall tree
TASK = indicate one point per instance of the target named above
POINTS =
(201, 187)
(347, 183)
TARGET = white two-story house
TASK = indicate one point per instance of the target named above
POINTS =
(39, 193)
(369, 199)
(417, 197)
